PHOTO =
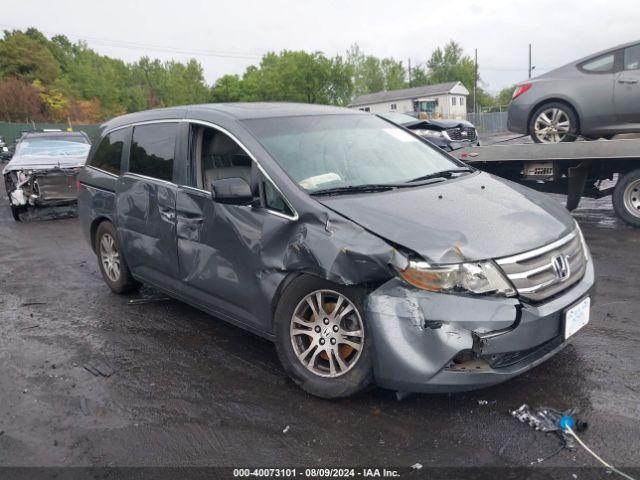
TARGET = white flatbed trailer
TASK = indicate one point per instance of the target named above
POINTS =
(576, 169)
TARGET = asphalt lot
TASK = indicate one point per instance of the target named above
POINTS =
(189, 389)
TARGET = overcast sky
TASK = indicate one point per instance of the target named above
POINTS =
(243, 30)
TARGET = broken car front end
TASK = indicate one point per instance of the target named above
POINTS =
(486, 326)
(35, 188)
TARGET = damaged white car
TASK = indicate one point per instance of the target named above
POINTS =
(43, 171)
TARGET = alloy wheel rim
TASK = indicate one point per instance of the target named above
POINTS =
(327, 333)
(110, 257)
(632, 198)
(552, 125)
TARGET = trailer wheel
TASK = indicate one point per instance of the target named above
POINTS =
(626, 198)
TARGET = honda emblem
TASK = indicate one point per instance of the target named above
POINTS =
(561, 267)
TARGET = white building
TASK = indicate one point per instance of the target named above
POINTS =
(445, 100)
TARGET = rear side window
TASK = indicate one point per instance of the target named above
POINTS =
(109, 153)
(152, 150)
(601, 64)
(632, 58)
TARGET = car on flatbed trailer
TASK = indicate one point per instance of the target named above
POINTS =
(595, 97)
(576, 169)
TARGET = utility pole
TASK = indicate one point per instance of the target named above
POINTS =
(410, 79)
(475, 81)
(529, 60)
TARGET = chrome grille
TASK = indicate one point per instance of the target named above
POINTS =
(537, 278)
(462, 134)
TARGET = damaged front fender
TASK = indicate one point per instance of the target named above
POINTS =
(330, 247)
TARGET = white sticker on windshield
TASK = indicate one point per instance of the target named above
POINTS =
(400, 135)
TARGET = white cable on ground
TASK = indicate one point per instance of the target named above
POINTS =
(610, 467)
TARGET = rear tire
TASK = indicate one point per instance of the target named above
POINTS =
(626, 198)
(113, 266)
(553, 122)
(339, 353)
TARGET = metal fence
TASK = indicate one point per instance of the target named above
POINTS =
(11, 131)
(493, 122)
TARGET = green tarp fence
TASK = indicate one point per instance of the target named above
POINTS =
(11, 131)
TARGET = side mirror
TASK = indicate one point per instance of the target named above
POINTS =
(231, 191)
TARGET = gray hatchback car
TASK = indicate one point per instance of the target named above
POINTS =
(596, 96)
(365, 253)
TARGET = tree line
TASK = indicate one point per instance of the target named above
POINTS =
(55, 80)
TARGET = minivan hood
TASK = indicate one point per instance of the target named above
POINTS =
(474, 217)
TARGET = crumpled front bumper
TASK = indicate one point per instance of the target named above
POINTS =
(417, 334)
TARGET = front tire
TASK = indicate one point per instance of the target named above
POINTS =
(112, 264)
(322, 338)
(626, 198)
(553, 123)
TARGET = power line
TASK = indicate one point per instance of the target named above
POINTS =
(205, 53)
(146, 46)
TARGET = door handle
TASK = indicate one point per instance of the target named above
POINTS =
(629, 81)
(190, 219)
(167, 213)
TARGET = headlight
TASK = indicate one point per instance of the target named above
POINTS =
(433, 134)
(585, 248)
(481, 278)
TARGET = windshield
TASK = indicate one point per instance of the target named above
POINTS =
(333, 151)
(53, 147)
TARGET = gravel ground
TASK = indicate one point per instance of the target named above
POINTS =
(189, 389)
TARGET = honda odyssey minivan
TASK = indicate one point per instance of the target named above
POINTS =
(366, 254)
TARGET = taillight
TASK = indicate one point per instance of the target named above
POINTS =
(520, 89)
(78, 185)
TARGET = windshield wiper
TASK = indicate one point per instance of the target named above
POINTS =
(442, 174)
(375, 187)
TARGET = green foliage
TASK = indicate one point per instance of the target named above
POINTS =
(419, 77)
(57, 79)
(449, 64)
(75, 82)
(292, 76)
(394, 74)
(26, 58)
(371, 74)
(228, 88)
(504, 97)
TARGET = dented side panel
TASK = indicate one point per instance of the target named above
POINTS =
(219, 256)
(235, 258)
(145, 218)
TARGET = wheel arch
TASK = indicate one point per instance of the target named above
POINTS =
(544, 101)
(291, 276)
(93, 229)
(284, 283)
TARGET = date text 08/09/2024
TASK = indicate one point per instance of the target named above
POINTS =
(316, 473)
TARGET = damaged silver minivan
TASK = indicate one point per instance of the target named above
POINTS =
(366, 254)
